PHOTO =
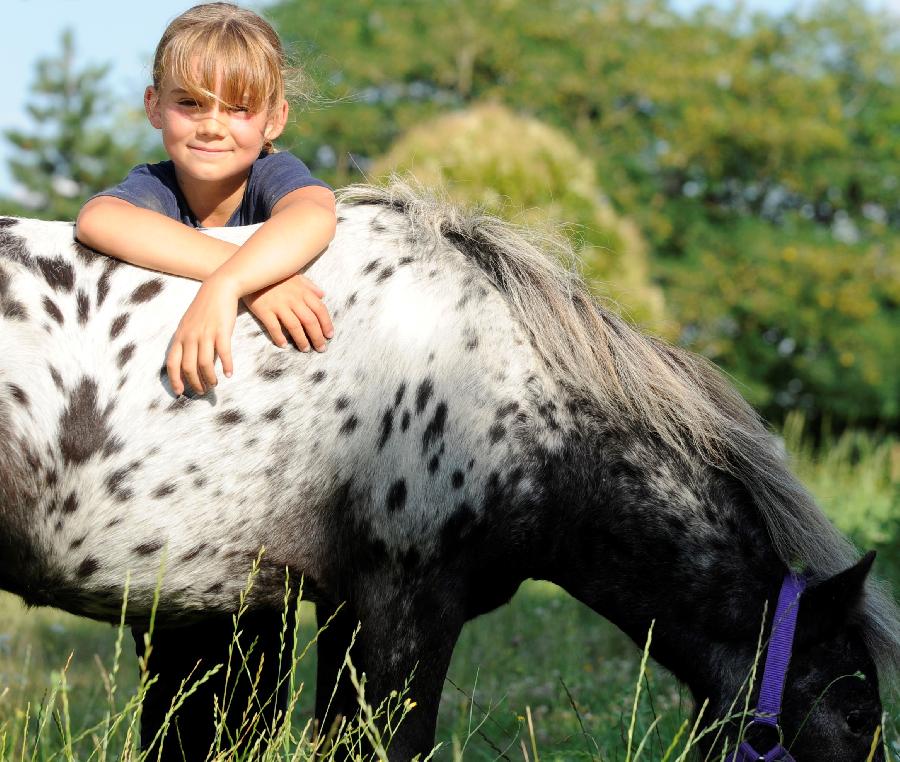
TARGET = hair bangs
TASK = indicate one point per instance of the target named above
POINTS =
(247, 75)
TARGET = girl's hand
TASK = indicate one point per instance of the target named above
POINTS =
(204, 331)
(294, 304)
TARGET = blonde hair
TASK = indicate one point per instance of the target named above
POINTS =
(221, 38)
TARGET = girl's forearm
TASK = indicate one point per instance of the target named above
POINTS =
(149, 239)
(284, 244)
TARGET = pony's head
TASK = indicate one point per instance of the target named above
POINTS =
(831, 707)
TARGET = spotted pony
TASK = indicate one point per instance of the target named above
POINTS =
(477, 419)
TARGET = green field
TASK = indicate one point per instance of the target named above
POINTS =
(541, 678)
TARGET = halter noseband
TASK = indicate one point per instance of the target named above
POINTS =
(778, 657)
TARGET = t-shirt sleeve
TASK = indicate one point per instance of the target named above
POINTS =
(277, 175)
(146, 187)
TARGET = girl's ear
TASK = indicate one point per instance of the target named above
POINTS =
(276, 123)
(151, 106)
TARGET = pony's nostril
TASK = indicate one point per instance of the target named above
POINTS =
(858, 721)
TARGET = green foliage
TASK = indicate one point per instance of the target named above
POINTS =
(727, 137)
(545, 183)
(69, 155)
(803, 321)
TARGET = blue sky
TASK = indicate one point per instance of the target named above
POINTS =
(126, 34)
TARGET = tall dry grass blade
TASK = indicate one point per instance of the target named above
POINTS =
(531, 734)
(637, 690)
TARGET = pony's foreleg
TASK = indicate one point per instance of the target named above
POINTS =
(336, 700)
(405, 639)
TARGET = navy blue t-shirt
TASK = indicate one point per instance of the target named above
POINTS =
(153, 186)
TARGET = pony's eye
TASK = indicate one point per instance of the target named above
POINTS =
(857, 721)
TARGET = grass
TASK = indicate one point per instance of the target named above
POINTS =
(541, 679)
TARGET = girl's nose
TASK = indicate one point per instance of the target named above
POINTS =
(209, 122)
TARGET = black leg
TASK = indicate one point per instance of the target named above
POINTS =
(333, 704)
(406, 631)
(193, 650)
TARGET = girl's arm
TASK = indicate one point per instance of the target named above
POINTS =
(149, 239)
(301, 226)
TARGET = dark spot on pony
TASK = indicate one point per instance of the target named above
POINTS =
(457, 479)
(57, 379)
(52, 310)
(14, 310)
(386, 273)
(113, 445)
(103, 282)
(75, 544)
(396, 497)
(341, 403)
(273, 414)
(423, 394)
(349, 425)
(118, 325)
(371, 266)
(496, 433)
(88, 567)
(147, 548)
(115, 482)
(318, 376)
(83, 427)
(146, 291)
(70, 504)
(194, 552)
(272, 372)
(387, 426)
(404, 422)
(435, 428)
(84, 306)
(59, 274)
(398, 397)
(405, 261)
(18, 394)
(507, 409)
(351, 300)
(229, 418)
(125, 354)
(163, 490)
(214, 588)
(434, 464)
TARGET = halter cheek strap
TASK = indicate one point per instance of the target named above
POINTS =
(778, 657)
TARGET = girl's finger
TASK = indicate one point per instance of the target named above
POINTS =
(311, 327)
(294, 327)
(173, 368)
(206, 361)
(223, 348)
(273, 327)
(321, 312)
(189, 366)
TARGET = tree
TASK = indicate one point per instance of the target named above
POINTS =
(71, 152)
(546, 183)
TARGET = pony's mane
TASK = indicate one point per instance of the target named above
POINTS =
(678, 395)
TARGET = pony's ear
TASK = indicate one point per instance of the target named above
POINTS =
(825, 606)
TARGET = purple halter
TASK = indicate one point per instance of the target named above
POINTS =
(778, 657)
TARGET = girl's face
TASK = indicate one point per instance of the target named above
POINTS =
(207, 141)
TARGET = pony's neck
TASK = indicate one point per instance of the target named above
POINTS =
(654, 539)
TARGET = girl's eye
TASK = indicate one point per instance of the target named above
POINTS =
(187, 102)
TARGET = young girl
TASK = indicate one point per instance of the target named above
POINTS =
(218, 96)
